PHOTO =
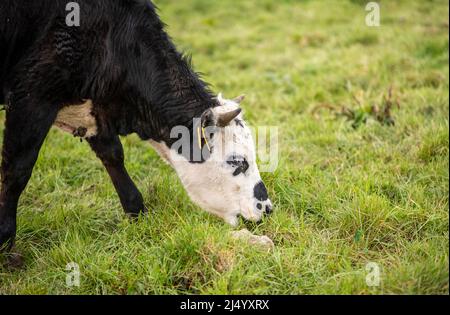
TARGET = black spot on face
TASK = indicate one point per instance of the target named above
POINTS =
(260, 192)
(239, 123)
(239, 163)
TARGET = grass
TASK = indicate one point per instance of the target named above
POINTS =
(347, 190)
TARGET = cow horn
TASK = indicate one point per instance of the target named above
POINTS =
(224, 119)
(239, 99)
(221, 99)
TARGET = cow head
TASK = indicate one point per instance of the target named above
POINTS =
(227, 182)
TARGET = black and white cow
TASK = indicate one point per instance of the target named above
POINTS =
(116, 73)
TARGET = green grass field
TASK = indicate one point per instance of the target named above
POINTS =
(349, 189)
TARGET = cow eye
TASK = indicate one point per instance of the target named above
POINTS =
(239, 164)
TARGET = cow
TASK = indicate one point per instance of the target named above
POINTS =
(115, 74)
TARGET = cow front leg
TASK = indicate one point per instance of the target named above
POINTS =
(109, 150)
(27, 124)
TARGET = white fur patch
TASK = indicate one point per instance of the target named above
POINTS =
(73, 117)
(211, 184)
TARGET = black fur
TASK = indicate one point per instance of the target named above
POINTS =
(260, 192)
(239, 164)
(120, 57)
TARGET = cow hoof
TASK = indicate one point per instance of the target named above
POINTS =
(13, 261)
(7, 236)
(134, 216)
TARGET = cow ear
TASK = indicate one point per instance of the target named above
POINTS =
(239, 99)
(208, 118)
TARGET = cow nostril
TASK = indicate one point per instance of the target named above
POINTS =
(259, 206)
(269, 209)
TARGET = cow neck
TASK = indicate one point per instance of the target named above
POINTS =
(179, 96)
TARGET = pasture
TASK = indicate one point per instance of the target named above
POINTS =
(362, 176)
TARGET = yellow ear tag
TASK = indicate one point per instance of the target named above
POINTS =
(200, 138)
(206, 139)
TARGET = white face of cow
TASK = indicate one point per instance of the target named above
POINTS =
(227, 183)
